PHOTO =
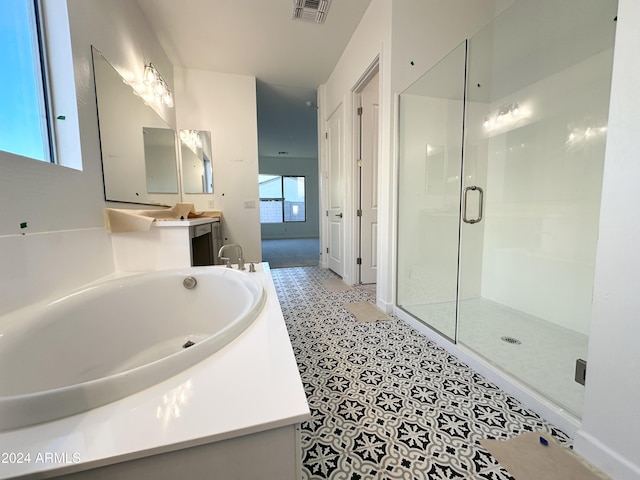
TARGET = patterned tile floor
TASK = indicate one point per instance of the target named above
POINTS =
(387, 403)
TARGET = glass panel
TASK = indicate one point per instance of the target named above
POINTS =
(195, 151)
(536, 121)
(271, 211)
(294, 199)
(431, 119)
(270, 190)
(139, 155)
(23, 113)
(160, 160)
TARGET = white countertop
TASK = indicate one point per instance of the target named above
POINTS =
(185, 223)
(251, 385)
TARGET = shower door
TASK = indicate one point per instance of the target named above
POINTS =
(536, 119)
(500, 255)
(431, 134)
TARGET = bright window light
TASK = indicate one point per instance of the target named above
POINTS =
(24, 118)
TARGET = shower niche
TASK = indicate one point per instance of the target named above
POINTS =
(501, 151)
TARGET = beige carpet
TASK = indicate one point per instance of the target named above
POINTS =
(526, 458)
(335, 285)
(366, 312)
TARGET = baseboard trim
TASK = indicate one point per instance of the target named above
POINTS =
(385, 306)
(603, 457)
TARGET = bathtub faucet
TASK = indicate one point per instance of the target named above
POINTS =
(228, 260)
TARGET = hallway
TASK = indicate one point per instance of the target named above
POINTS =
(387, 403)
(291, 252)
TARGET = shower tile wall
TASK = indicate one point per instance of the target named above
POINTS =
(35, 266)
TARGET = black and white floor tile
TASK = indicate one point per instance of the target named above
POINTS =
(386, 402)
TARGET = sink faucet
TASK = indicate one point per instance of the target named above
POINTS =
(239, 251)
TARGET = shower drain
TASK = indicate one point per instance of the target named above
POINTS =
(511, 340)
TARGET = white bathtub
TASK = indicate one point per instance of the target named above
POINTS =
(114, 338)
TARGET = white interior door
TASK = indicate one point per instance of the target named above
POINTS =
(335, 253)
(368, 165)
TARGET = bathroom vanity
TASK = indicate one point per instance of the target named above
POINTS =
(169, 244)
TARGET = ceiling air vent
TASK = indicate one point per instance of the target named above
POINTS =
(311, 10)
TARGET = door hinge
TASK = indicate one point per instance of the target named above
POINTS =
(359, 212)
(358, 261)
(326, 213)
(359, 162)
(359, 110)
(581, 371)
(327, 249)
(326, 135)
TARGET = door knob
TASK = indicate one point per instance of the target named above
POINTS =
(339, 215)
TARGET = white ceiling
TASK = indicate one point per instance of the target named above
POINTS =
(254, 37)
(290, 58)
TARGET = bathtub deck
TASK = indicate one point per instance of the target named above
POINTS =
(250, 386)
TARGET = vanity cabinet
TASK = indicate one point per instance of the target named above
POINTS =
(168, 244)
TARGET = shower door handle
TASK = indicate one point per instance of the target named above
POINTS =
(472, 188)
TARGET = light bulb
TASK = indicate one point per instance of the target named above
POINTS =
(167, 99)
(149, 77)
(159, 89)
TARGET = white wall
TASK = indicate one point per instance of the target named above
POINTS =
(225, 105)
(611, 424)
(425, 31)
(371, 40)
(65, 244)
(399, 33)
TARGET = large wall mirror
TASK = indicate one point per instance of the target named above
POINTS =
(139, 153)
(195, 150)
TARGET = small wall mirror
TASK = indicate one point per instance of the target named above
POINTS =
(139, 153)
(195, 150)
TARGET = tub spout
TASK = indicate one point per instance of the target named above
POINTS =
(239, 251)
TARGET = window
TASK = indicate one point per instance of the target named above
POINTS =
(282, 198)
(24, 117)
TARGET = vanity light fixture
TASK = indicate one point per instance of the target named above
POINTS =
(504, 116)
(579, 135)
(192, 139)
(156, 85)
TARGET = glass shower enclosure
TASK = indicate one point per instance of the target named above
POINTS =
(501, 151)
